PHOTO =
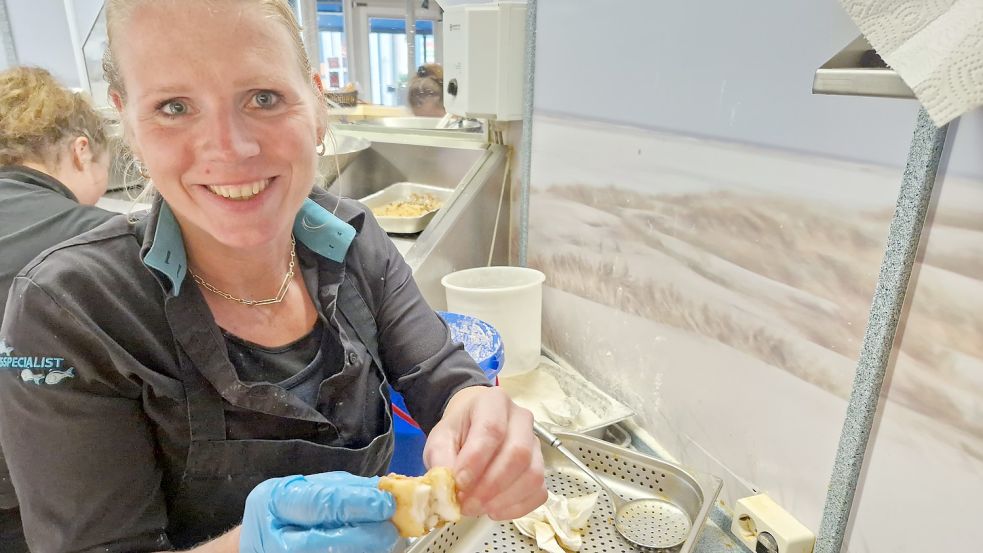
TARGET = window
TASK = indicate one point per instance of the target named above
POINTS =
(387, 57)
(334, 50)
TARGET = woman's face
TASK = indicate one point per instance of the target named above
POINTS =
(222, 116)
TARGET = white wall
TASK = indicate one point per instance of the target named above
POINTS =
(41, 37)
(86, 12)
(711, 234)
(729, 70)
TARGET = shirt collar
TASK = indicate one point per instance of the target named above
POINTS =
(34, 177)
(314, 226)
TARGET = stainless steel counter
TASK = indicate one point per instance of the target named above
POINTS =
(460, 234)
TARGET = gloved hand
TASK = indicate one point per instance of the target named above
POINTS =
(334, 512)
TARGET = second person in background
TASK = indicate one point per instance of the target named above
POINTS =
(426, 91)
(54, 164)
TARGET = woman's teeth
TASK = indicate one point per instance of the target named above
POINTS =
(240, 191)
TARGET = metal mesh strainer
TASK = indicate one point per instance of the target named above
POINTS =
(650, 522)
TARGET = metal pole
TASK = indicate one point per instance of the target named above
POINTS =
(76, 37)
(410, 39)
(352, 56)
(525, 147)
(889, 296)
(9, 57)
(307, 16)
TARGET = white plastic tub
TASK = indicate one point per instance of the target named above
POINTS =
(508, 298)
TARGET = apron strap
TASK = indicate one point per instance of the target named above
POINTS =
(206, 408)
(354, 308)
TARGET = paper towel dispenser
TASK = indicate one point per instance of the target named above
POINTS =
(857, 70)
(484, 56)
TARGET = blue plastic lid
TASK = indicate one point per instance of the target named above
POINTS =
(480, 340)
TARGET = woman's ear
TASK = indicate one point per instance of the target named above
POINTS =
(117, 100)
(322, 119)
(81, 153)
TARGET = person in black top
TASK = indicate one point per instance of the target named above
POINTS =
(53, 167)
(214, 376)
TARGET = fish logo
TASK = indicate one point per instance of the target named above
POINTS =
(27, 375)
(51, 378)
(56, 376)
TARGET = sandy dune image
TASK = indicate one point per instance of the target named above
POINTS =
(731, 315)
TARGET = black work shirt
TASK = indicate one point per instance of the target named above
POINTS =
(93, 413)
(36, 213)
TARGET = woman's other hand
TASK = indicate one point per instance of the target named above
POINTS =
(334, 512)
(488, 442)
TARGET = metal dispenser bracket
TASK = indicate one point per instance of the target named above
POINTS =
(857, 70)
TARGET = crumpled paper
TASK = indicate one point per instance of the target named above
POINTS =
(935, 46)
(560, 523)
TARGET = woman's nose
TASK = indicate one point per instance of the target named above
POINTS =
(226, 137)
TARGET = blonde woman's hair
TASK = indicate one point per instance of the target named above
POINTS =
(39, 117)
(118, 12)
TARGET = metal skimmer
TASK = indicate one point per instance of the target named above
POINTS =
(649, 522)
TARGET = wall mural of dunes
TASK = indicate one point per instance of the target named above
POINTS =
(722, 290)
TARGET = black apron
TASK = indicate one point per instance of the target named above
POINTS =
(220, 472)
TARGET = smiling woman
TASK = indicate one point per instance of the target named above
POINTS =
(243, 332)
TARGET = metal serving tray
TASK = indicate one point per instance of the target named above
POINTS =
(629, 473)
(403, 191)
(605, 409)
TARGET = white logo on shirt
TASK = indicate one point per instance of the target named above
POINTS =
(51, 371)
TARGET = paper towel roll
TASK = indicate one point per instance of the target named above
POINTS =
(936, 46)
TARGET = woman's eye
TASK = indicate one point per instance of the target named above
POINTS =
(265, 99)
(174, 108)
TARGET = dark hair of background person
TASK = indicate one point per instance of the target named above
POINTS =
(426, 91)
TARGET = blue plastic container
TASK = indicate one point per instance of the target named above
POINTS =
(484, 344)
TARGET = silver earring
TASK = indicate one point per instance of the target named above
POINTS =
(321, 149)
(141, 169)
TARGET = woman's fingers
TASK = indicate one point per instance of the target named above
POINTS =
(496, 457)
(487, 429)
(522, 496)
(442, 445)
(301, 502)
(512, 459)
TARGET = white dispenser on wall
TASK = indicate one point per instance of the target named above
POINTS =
(484, 56)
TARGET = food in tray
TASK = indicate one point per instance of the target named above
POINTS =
(560, 524)
(417, 205)
(424, 502)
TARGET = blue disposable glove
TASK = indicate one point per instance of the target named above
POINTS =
(334, 512)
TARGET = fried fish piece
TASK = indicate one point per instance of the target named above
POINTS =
(423, 502)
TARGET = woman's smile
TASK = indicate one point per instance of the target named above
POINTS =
(240, 192)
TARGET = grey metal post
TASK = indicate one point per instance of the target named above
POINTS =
(889, 296)
(410, 40)
(525, 147)
(9, 54)
(307, 16)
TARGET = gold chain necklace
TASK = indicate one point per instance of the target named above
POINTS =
(279, 296)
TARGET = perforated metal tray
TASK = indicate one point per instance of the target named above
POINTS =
(628, 473)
